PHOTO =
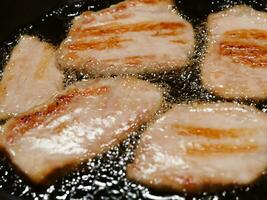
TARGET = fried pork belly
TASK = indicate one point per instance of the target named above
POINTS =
(135, 36)
(78, 124)
(201, 146)
(235, 65)
(30, 77)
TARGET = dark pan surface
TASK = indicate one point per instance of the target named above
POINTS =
(104, 177)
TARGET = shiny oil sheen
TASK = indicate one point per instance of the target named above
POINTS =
(104, 177)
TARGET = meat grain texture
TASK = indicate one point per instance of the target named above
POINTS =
(135, 36)
(197, 147)
(30, 77)
(235, 65)
(78, 124)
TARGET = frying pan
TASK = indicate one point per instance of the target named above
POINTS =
(104, 177)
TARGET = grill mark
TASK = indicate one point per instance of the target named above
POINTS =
(247, 34)
(122, 16)
(110, 43)
(135, 60)
(43, 64)
(204, 149)
(210, 132)
(178, 41)
(111, 60)
(245, 47)
(169, 33)
(244, 53)
(72, 56)
(22, 124)
(115, 28)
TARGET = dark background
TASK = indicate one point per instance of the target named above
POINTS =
(18, 13)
